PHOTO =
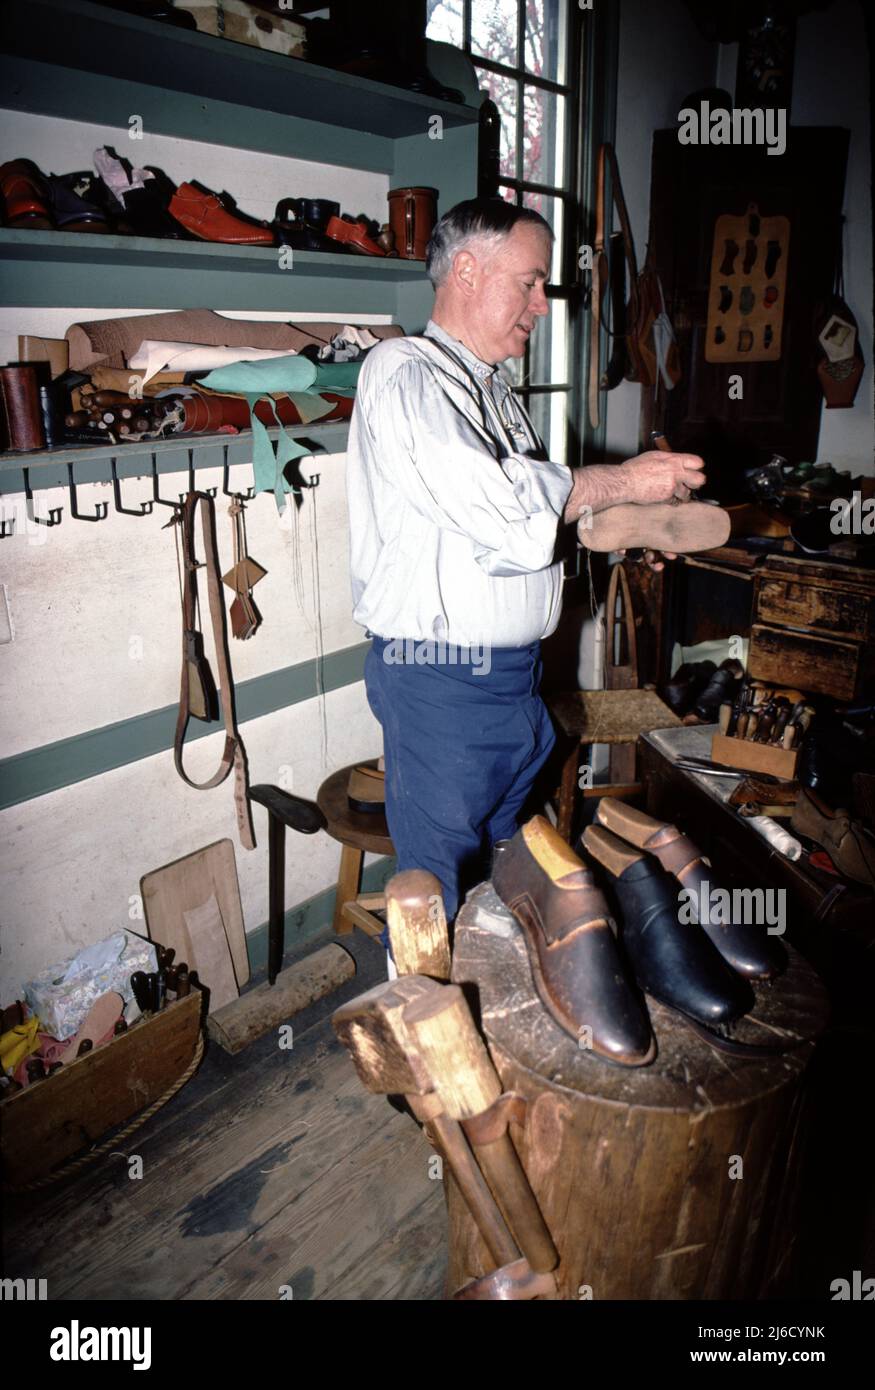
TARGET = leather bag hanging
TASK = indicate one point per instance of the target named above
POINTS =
(197, 695)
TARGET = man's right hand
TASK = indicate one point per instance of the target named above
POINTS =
(657, 477)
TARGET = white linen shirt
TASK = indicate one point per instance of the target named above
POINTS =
(452, 534)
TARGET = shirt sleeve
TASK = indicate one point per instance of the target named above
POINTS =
(445, 465)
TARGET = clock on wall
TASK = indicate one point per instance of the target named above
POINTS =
(765, 60)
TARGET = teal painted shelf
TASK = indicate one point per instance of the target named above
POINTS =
(68, 269)
(84, 62)
(92, 463)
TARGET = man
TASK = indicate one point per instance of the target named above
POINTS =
(455, 510)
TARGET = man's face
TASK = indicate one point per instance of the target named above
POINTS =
(509, 294)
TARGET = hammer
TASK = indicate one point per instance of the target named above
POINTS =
(373, 1030)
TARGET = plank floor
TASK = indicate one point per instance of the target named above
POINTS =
(269, 1170)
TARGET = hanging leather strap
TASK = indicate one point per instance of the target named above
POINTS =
(601, 269)
(234, 754)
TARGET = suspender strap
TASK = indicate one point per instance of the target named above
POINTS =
(488, 402)
(234, 754)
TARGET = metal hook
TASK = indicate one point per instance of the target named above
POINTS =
(246, 496)
(162, 501)
(192, 487)
(54, 517)
(144, 508)
(102, 507)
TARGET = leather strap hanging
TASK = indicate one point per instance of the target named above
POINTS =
(601, 269)
(197, 690)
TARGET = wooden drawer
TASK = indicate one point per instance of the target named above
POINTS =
(816, 606)
(817, 665)
(45, 1124)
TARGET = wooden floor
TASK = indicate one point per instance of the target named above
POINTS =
(269, 1169)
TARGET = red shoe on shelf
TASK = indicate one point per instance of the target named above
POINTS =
(26, 198)
(205, 216)
(354, 235)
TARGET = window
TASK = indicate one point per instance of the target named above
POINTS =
(527, 56)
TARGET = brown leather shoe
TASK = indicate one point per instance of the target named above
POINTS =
(847, 841)
(205, 216)
(576, 964)
(26, 198)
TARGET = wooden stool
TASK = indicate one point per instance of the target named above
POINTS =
(357, 832)
(673, 1181)
(602, 716)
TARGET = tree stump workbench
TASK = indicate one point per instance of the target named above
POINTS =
(673, 1181)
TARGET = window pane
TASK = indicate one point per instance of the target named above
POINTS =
(548, 348)
(553, 209)
(545, 42)
(505, 93)
(544, 137)
(446, 22)
(494, 30)
(549, 414)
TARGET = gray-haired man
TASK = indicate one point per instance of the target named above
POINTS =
(454, 514)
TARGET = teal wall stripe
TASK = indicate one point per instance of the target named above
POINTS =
(312, 917)
(70, 760)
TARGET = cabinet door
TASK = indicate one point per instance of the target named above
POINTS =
(692, 186)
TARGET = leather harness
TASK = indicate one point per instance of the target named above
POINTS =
(197, 692)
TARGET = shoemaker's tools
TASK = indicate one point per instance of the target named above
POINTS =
(415, 1036)
(470, 1091)
(418, 924)
(295, 813)
(372, 1029)
(183, 982)
(142, 991)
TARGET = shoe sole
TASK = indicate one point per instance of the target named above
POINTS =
(685, 528)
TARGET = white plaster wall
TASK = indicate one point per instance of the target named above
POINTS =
(96, 618)
(72, 861)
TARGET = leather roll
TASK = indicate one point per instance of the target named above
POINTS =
(210, 413)
(19, 396)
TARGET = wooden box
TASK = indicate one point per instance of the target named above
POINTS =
(817, 665)
(813, 626)
(754, 757)
(47, 1123)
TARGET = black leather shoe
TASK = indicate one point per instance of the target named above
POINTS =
(577, 968)
(723, 685)
(747, 947)
(685, 685)
(675, 963)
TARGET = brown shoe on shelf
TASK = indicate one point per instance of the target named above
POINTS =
(25, 193)
(576, 964)
(848, 843)
(353, 235)
(683, 528)
(205, 216)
